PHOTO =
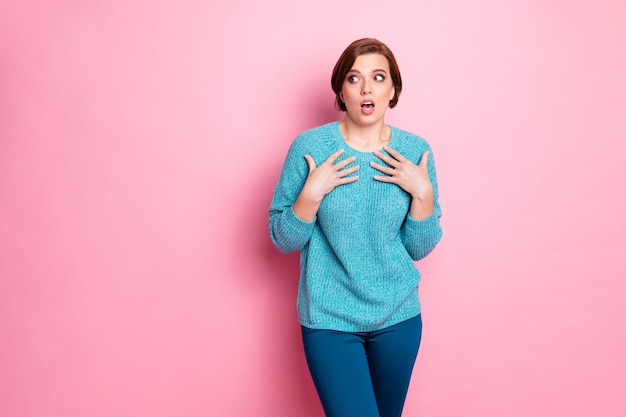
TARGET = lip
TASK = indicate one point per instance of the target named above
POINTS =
(368, 107)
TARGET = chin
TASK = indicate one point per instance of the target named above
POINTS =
(368, 120)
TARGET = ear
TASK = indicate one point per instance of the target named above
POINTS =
(393, 94)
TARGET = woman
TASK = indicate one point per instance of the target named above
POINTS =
(358, 199)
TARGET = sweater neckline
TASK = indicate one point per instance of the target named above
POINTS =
(339, 138)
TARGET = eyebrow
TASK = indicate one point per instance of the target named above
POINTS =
(376, 70)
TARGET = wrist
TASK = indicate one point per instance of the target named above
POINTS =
(422, 207)
(310, 196)
(423, 196)
(306, 207)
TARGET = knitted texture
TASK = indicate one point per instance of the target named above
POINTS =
(356, 257)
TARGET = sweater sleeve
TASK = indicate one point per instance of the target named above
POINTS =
(421, 236)
(288, 232)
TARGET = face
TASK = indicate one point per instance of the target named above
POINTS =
(367, 89)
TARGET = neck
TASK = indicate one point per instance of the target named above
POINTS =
(365, 138)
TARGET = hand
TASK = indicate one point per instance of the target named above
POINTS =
(411, 178)
(324, 178)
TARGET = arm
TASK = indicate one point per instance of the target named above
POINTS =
(287, 231)
(298, 196)
(420, 235)
(320, 181)
(421, 230)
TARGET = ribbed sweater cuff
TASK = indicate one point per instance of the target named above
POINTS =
(425, 227)
(296, 227)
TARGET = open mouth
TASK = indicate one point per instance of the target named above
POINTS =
(367, 105)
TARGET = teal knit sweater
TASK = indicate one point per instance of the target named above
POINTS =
(356, 257)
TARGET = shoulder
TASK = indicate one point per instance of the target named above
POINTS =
(409, 144)
(319, 133)
(408, 138)
(319, 139)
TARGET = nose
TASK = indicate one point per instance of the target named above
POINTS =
(365, 89)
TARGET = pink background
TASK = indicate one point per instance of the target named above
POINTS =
(140, 142)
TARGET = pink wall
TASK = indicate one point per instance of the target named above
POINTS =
(140, 142)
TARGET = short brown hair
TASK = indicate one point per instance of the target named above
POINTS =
(347, 58)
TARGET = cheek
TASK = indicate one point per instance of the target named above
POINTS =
(343, 94)
(347, 94)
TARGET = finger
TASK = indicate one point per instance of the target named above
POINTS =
(384, 178)
(381, 168)
(348, 171)
(345, 162)
(424, 161)
(310, 162)
(348, 180)
(386, 158)
(395, 154)
(333, 157)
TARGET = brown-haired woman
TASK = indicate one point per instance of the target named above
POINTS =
(359, 199)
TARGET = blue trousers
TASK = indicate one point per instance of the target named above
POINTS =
(363, 374)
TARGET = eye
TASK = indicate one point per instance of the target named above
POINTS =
(352, 79)
(379, 77)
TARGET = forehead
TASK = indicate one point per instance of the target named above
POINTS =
(370, 62)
